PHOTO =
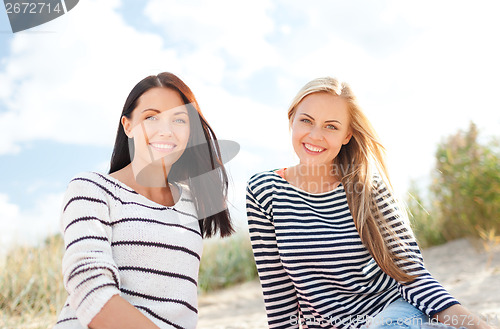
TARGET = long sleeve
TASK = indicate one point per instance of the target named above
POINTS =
(89, 272)
(280, 297)
(425, 292)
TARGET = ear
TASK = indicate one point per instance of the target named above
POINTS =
(347, 138)
(127, 126)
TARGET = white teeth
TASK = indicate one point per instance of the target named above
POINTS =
(313, 148)
(163, 146)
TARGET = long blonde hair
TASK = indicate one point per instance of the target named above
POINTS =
(359, 160)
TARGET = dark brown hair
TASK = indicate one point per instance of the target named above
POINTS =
(202, 156)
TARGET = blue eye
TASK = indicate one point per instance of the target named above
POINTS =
(152, 118)
(306, 120)
(182, 121)
(332, 127)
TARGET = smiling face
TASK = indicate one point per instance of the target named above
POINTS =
(320, 126)
(160, 127)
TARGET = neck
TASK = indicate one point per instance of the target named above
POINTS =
(152, 174)
(320, 171)
(313, 178)
(149, 181)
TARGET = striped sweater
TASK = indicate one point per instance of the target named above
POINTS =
(312, 265)
(118, 242)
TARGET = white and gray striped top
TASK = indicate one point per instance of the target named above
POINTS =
(313, 266)
(119, 242)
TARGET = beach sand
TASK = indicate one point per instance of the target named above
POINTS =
(463, 267)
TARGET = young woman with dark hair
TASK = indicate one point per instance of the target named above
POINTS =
(133, 237)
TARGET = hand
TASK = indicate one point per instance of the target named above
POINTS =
(117, 313)
(459, 317)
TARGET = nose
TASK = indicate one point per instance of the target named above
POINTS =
(165, 129)
(315, 133)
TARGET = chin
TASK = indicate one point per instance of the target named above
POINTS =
(311, 162)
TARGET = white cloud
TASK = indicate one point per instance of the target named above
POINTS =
(70, 85)
(227, 29)
(20, 227)
(7, 211)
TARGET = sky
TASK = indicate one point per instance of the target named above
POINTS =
(421, 71)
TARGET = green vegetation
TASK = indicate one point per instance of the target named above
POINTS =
(426, 227)
(226, 262)
(31, 288)
(32, 291)
(465, 191)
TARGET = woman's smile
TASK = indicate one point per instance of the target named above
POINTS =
(313, 149)
(163, 147)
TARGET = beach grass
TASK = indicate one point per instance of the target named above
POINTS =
(226, 262)
(31, 288)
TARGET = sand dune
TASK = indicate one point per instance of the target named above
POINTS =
(464, 268)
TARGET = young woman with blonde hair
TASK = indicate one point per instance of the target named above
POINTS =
(333, 249)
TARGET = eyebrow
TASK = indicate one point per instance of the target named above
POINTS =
(155, 110)
(307, 115)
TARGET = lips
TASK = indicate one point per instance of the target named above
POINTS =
(164, 147)
(313, 149)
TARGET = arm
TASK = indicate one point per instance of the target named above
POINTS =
(280, 297)
(424, 292)
(90, 273)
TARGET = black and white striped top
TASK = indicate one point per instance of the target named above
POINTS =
(313, 265)
(119, 242)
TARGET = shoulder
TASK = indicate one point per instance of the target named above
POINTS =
(85, 179)
(89, 181)
(103, 182)
(379, 186)
(85, 189)
(263, 179)
(95, 185)
(265, 187)
(387, 201)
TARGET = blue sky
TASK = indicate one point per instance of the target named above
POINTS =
(421, 71)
